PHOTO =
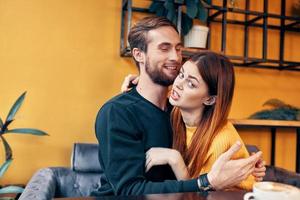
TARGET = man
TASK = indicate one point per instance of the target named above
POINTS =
(131, 123)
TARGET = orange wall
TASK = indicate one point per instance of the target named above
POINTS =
(65, 54)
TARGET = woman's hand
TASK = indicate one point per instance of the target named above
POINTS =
(129, 81)
(259, 170)
(161, 156)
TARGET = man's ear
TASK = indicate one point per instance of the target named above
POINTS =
(138, 55)
(210, 100)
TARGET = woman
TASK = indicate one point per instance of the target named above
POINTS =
(201, 95)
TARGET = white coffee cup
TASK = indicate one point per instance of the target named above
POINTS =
(273, 191)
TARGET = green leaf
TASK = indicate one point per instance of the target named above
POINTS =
(202, 12)
(275, 103)
(169, 5)
(191, 8)
(154, 6)
(157, 8)
(5, 125)
(8, 151)
(27, 131)
(282, 113)
(4, 167)
(161, 12)
(206, 2)
(298, 115)
(186, 24)
(171, 16)
(171, 11)
(175, 20)
(14, 109)
(11, 189)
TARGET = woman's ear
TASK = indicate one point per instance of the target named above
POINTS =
(138, 55)
(210, 100)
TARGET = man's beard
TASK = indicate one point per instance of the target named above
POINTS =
(158, 76)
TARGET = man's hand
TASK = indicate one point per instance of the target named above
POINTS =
(129, 81)
(227, 173)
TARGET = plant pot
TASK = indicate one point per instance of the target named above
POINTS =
(196, 37)
(11, 192)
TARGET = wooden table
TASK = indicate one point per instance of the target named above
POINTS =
(219, 195)
(273, 125)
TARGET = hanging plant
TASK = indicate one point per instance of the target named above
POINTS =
(195, 9)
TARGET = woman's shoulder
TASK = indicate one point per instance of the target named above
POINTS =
(223, 139)
(228, 133)
(226, 137)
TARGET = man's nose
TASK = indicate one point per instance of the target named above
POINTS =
(175, 55)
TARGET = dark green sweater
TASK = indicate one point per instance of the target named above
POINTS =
(126, 127)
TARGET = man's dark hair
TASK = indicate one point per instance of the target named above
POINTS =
(137, 36)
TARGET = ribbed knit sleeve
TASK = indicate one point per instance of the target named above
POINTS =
(222, 142)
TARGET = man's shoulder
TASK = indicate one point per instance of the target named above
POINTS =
(123, 100)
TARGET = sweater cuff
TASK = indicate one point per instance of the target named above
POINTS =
(190, 186)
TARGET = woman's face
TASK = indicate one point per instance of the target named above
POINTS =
(189, 91)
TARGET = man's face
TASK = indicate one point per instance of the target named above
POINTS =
(163, 57)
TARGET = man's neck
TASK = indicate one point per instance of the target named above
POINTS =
(153, 92)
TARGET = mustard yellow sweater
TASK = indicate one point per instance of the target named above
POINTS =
(222, 142)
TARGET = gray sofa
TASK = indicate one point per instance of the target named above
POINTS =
(84, 176)
(78, 181)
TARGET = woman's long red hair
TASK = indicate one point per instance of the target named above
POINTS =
(217, 72)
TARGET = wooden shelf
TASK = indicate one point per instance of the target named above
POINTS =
(272, 125)
(219, 14)
(265, 123)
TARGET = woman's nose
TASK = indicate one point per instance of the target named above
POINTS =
(179, 84)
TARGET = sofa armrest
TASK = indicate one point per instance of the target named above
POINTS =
(54, 182)
(41, 186)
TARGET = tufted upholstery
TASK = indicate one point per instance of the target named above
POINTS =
(80, 180)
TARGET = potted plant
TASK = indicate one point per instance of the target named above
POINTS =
(4, 129)
(195, 36)
(278, 111)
